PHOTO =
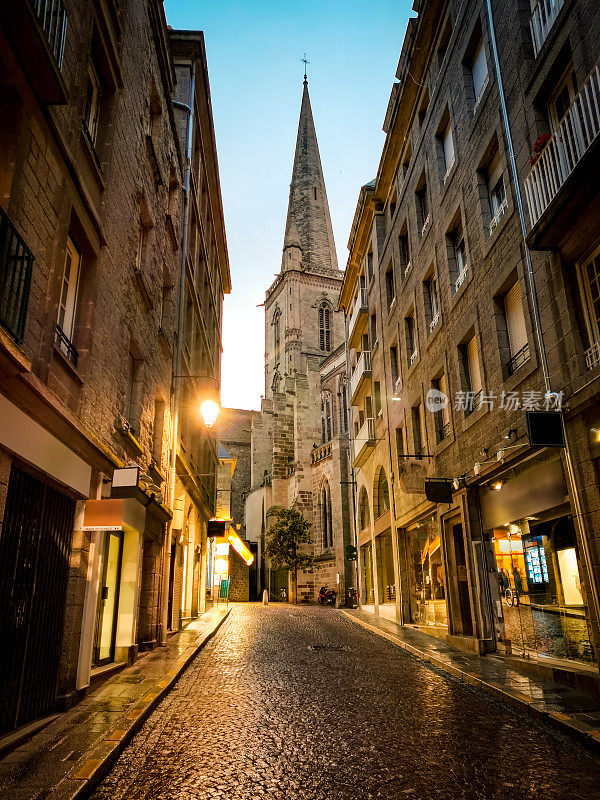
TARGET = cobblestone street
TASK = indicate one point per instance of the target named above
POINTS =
(302, 703)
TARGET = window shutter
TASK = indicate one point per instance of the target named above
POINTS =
(515, 320)
(473, 361)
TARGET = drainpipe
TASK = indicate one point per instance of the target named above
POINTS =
(573, 489)
(176, 381)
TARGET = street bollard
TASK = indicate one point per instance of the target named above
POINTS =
(265, 597)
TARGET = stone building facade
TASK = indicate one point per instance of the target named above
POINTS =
(91, 224)
(300, 442)
(445, 299)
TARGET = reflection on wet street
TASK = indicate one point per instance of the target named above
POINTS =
(290, 703)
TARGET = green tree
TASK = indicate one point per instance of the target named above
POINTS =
(284, 545)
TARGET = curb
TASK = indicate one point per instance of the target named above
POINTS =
(563, 722)
(102, 756)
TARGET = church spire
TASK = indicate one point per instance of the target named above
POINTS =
(308, 226)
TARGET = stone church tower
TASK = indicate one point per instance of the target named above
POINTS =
(300, 441)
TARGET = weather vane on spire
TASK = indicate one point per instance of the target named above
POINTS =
(305, 62)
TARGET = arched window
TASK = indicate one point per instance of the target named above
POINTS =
(343, 406)
(382, 494)
(325, 327)
(326, 518)
(325, 417)
(276, 328)
(363, 510)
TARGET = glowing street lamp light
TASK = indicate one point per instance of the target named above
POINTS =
(209, 411)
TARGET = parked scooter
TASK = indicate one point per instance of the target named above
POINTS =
(327, 596)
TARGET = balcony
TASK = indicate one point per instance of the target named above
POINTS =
(320, 453)
(37, 31)
(542, 19)
(16, 265)
(358, 318)
(562, 185)
(361, 372)
(364, 442)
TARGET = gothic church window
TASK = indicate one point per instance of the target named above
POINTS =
(325, 418)
(325, 327)
(276, 327)
(326, 517)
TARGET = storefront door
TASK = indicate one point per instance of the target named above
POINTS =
(458, 583)
(108, 597)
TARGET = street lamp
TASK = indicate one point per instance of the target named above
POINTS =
(209, 411)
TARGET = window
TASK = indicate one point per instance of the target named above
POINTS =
(369, 266)
(326, 518)
(392, 207)
(325, 418)
(394, 366)
(363, 510)
(325, 327)
(276, 328)
(373, 331)
(404, 253)
(382, 495)
(406, 156)
(515, 328)
(419, 430)
(562, 98)
(165, 294)
(91, 112)
(315, 193)
(155, 115)
(343, 405)
(479, 72)
(442, 417)
(448, 148)
(158, 431)
(411, 339)
(457, 255)
(432, 307)
(422, 204)
(589, 279)
(400, 447)
(471, 374)
(377, 397)
(67, 305)
(496, 191)
(390, 288)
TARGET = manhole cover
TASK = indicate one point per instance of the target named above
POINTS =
(329, 647)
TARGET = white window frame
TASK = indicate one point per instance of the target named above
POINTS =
(591, 323)
(69, 291)
(92, 113)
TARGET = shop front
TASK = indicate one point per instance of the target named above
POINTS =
(536, 574)
(426, 574)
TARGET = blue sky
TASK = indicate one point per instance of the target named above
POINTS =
(254, 51)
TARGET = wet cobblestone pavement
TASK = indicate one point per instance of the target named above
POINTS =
(289, 703)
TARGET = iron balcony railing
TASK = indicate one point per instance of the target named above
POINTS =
(16, 265)
(360, 310)
(64, 343)
(53, 19)
(518, 359)
(542, 19)
(361, 370)
(443, 431)
(578, 129)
